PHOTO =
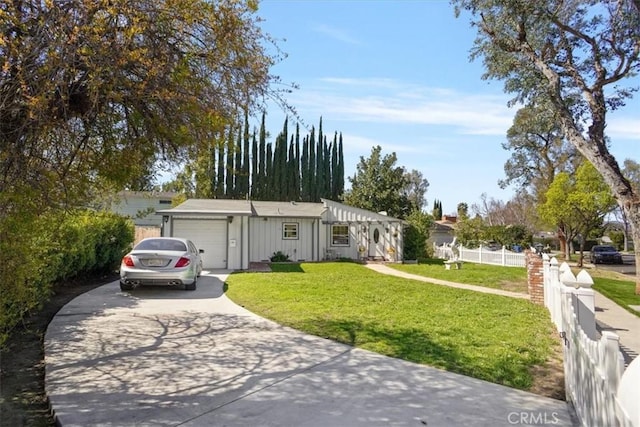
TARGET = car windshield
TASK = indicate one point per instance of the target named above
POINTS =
(604, 249)
(161, 245)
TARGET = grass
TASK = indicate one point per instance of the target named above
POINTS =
(492, 276)
(623, 292)
(494, 338)
(616, 286)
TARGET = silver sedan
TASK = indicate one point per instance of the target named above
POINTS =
(164, 261)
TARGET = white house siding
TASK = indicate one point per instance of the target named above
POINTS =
(266, 239)
(141, 206)
(238, 243)
(362, 225)
(331, 251)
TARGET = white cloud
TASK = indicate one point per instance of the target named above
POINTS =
(361, 145)
(336, 33)
(388, 101)
(624, 128)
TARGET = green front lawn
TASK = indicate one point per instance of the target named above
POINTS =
(491, 276)
(623, 292)
(494, 338)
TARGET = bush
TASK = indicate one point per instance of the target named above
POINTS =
(416, 235)
(279, 257)
(51, 248)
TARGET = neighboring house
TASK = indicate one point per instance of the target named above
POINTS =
(141, 206)
(234, 233)
(443, 231)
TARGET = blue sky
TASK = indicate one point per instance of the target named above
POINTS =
(397, 74)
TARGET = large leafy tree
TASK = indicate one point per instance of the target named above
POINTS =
(538, 150)
(630, 169)
(379, 185)
(93, 93)
(578, 57)
(415, 189)
(93, 90)
(579, 201)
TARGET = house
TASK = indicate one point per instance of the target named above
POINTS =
(141, 206)
(235, 233)
(443, 231)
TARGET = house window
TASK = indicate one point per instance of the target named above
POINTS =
(290, 230)
(339, 235)
(164, 202)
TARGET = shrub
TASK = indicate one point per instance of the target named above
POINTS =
(279, 257)
(54, 247)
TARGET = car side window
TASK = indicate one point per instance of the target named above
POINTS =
(192, 248)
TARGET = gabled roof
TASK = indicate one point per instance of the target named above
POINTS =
(246, 207)
(270, 209)
(148, 194)
(288, 209)
(363, 214)
(443, 226)
(211, 207)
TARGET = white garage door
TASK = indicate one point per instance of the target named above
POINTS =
(210, 235)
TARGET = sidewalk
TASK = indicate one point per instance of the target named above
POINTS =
(609, 315)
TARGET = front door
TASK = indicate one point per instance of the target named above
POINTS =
(376, 241)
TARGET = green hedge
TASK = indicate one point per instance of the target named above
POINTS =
(37, 252)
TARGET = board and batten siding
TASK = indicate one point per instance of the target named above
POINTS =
(362, 225)
(141, 209)
(267, 238)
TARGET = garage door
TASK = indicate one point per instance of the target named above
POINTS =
(210, 235)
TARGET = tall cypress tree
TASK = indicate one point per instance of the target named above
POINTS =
(320, 178)
(340, 173)
(237, 169)
(228, 191)
(334, 167)
(212, 167)
(304, 170)
(296, 166)
(261, 183)
(327, 170)
(279, 167)
(220, 175)
(269, 193)
(253, 176)
(244, 190)
(290, 172)
(312, 166)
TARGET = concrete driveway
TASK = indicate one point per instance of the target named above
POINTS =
(164, 357)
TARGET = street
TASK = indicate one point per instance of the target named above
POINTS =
(628, 268)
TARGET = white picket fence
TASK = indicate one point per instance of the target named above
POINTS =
(602, 392)
(481, 255)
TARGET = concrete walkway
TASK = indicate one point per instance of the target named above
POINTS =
(609, 315)
(381, 268)
(163, 357)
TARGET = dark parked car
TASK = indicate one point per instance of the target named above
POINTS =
(605, 254)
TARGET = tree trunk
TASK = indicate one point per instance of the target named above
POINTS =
(562, 238)
(598, 154)
(635, 234)
(595, 150)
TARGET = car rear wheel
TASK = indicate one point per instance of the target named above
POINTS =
(125, 286)
(192, 286)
